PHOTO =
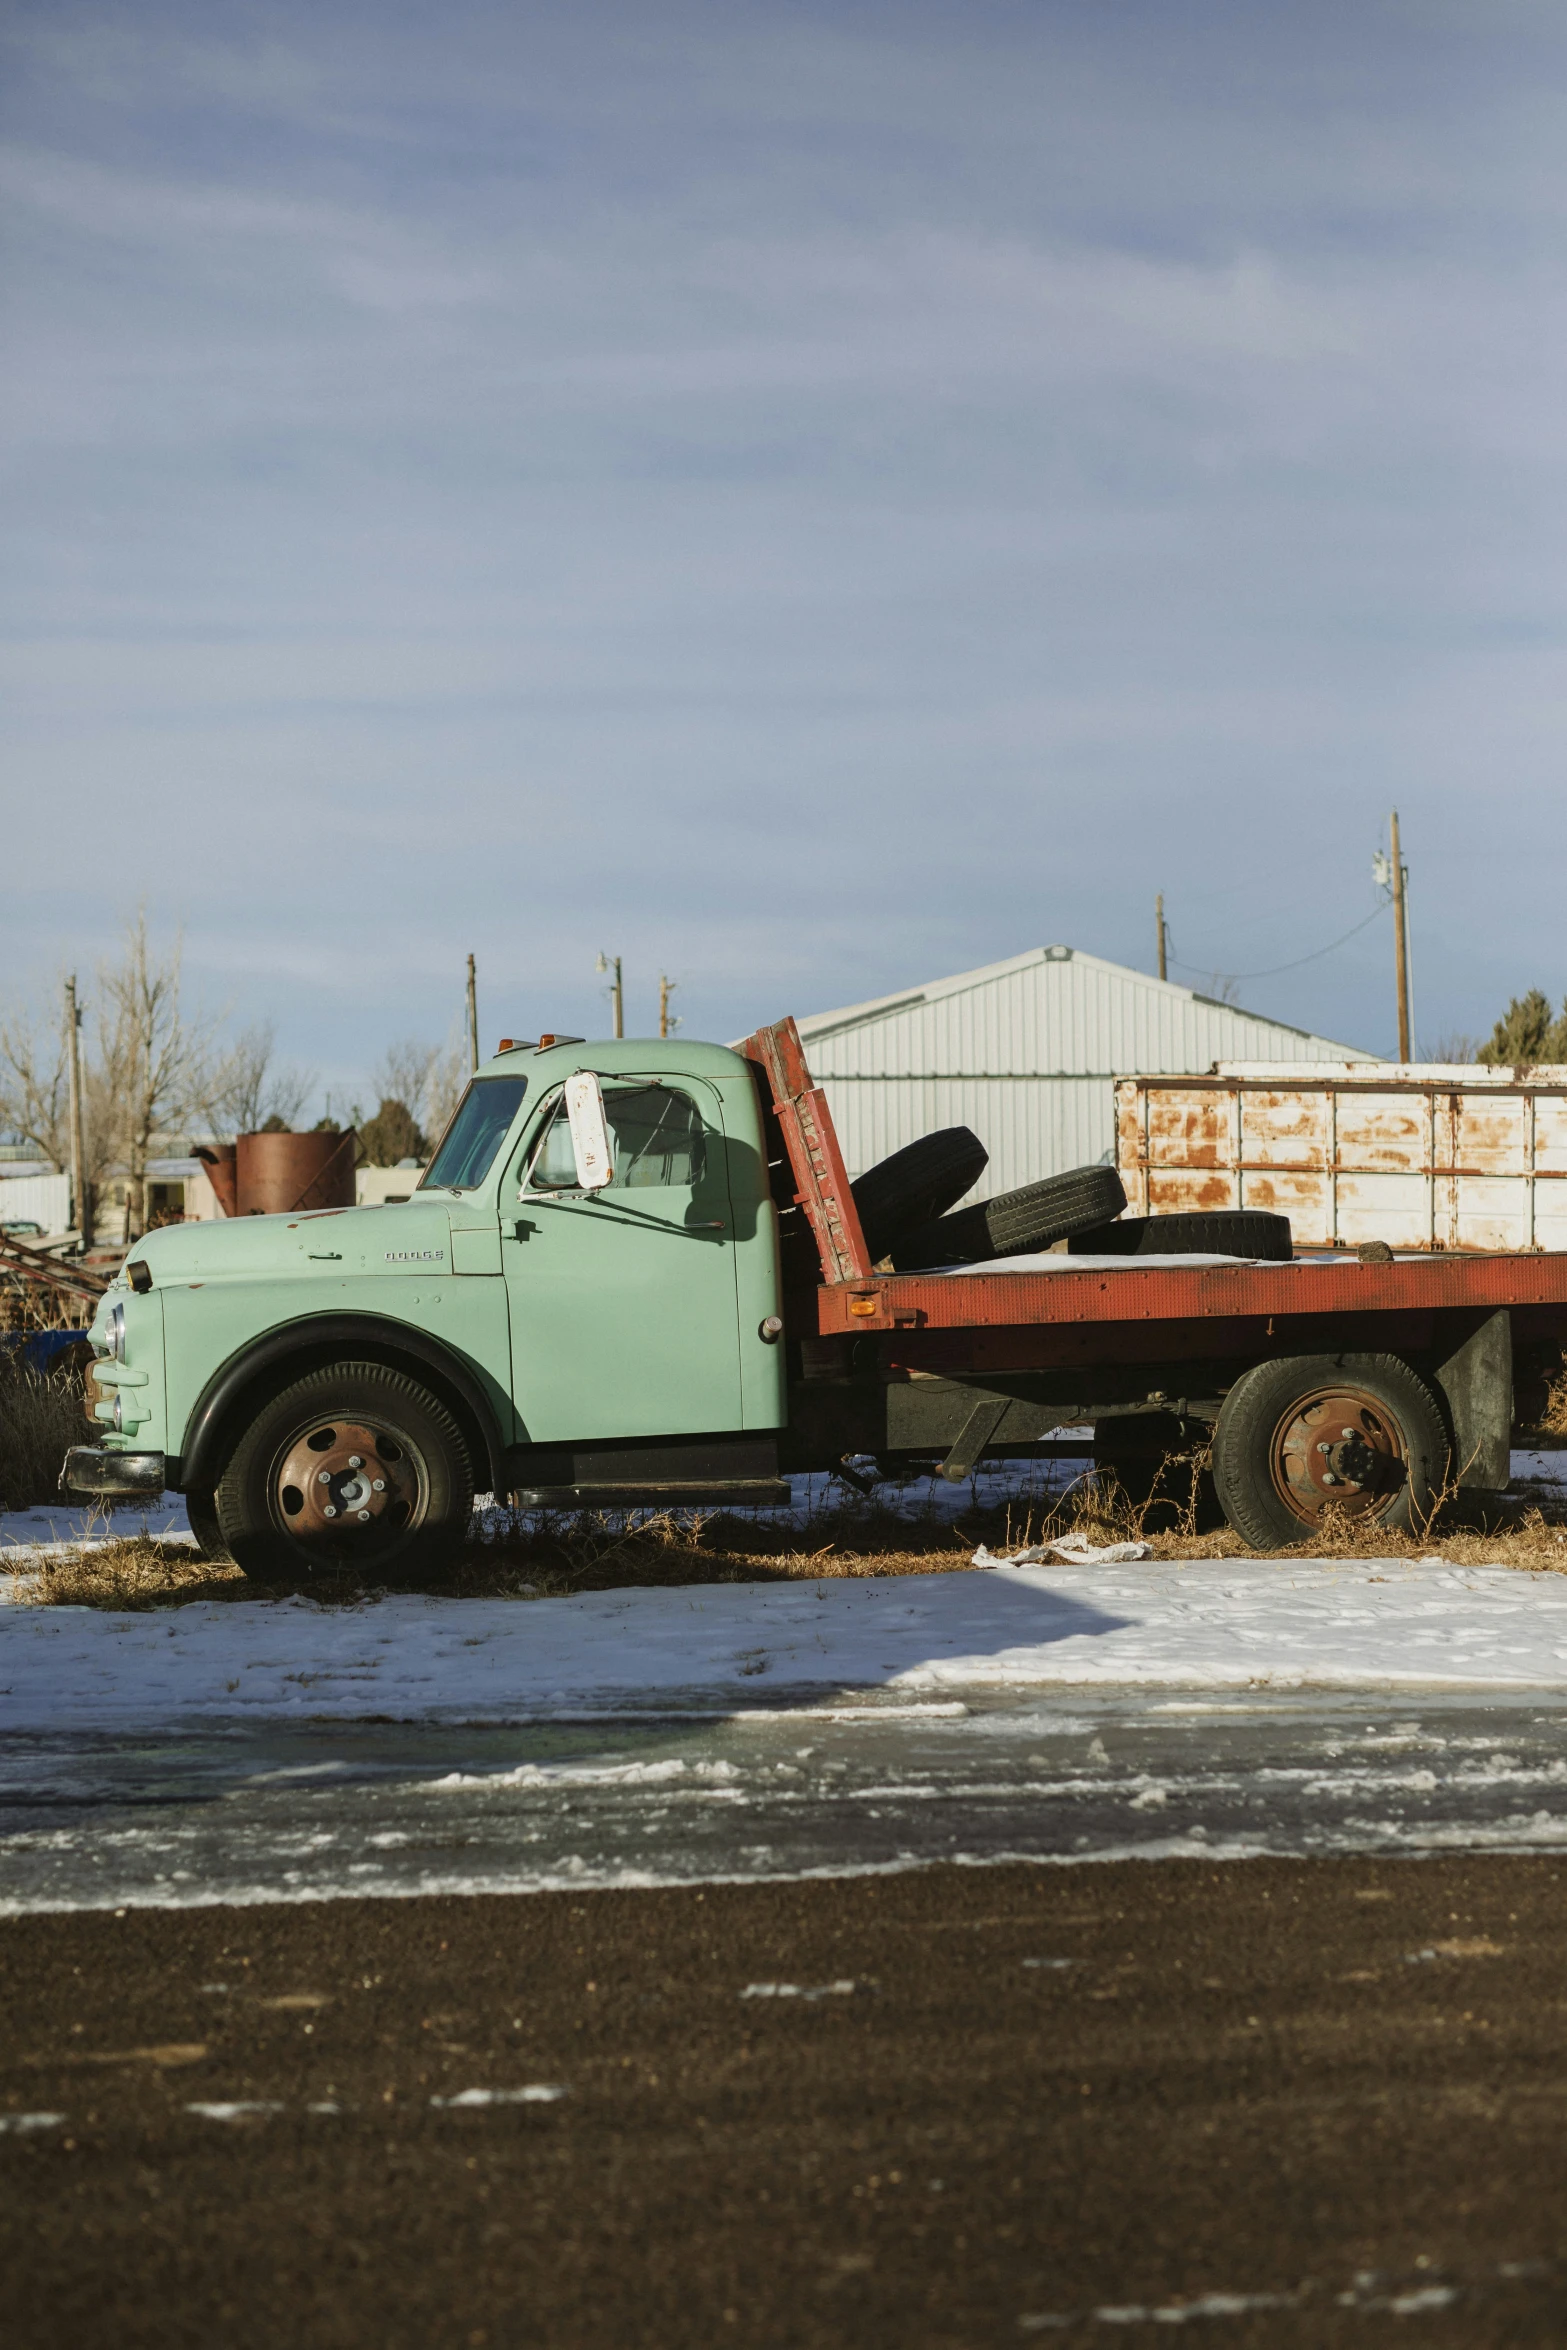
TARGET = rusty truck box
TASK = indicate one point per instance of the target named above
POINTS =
(1424, 1156)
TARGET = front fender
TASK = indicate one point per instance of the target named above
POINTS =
(310, 1339)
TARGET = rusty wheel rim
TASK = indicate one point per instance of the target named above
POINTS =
(1338, 1448)
(348, 1489)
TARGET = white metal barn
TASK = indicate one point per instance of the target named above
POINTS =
(1026, 1052)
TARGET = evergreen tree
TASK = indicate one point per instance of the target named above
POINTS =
(1526, 1033)
(392, 1135)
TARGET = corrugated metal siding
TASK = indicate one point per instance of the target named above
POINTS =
(1026, 1053)
(1034, 1128)
(43, 1199)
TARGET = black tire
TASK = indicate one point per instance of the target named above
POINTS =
(916, 1184)
(1234, 1232)
(1015, 1222)
(201, 1509)
(394, 1488)
(1299, 1436)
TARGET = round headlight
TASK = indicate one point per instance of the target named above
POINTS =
(114, 1334)
(119, 1412)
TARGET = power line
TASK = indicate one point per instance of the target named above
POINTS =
(1300, 960)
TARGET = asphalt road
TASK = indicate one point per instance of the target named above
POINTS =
(1270, 2102)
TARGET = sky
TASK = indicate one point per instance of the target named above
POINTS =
(805, 498)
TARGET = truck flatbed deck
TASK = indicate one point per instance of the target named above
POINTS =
(1293, 1368)
(1128, 1291)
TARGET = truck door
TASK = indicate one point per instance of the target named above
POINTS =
(624, 1313)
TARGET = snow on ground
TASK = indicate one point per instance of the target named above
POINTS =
(1229, 1624)
(1217, 1625)
(56, 1527)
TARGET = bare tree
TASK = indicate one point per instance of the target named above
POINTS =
(403, 1074)
(427, 1078)
(449, 1074)
(151, 1065)
(154, 1057)
(246, 1086)
(34, 1087)
(35, 1100)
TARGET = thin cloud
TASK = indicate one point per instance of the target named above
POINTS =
(804, 501)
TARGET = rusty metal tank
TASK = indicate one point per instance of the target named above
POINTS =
(280, 1174)
(218, 1159)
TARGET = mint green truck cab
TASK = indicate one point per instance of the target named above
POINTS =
(331, 1388)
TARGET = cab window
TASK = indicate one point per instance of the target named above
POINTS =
(655, 1135)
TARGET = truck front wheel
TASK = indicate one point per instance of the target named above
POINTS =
(1301, 1437)
(201, 1510)
(353, 1469)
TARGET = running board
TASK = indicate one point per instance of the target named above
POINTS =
(712, 1493)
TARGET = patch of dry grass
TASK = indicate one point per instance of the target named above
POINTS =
(526, 1555)
(602, 1551)
(126, 1573)
(39, 1419)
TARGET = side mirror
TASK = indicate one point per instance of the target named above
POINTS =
(589, 1131)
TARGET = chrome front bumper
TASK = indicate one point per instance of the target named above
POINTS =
(92, 1468)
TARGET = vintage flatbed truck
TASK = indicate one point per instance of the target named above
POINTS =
(634, 1273)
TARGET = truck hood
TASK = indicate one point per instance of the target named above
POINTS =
(411, 1238)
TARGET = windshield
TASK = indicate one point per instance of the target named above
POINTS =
(480, 1125)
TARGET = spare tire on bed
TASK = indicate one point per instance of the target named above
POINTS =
(1015, 1222)
(917, 1184)
(1227, 1232)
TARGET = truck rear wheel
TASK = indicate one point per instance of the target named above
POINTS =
(1302, 1436)
(353, 1469)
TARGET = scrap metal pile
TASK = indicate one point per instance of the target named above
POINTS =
(39, 1291)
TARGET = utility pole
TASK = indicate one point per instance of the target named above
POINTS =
(1158, 915)
(473, 1015)
(666, 988)
(81, 1206)
(616, 999)
(1401, 934)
